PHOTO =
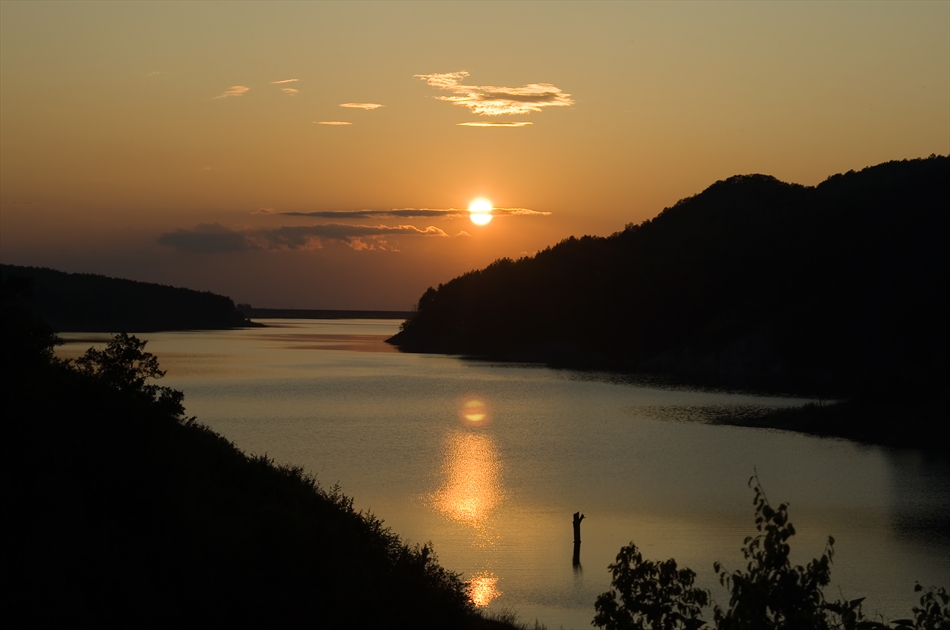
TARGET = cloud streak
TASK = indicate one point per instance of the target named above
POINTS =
(284, 81)
(207, 238)
(333, 123)
(234, 90)
(215, 238)
(502, 125)
(413, 213)
(491, 100)
(357, 237)
(365, 106)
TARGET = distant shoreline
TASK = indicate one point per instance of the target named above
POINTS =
(864, 421)
(304, 313)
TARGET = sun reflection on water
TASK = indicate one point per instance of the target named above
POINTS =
(474, 412)
(483, 588)
(471, 487)
(471, 490)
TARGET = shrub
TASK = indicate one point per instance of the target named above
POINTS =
(769, 594)
(653, 595)
(125, 366)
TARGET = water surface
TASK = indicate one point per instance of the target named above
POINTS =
(489, 462)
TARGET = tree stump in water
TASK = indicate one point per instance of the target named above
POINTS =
(576, 560)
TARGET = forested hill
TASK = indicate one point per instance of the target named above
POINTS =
(839, 288)
(120, 512)
(92, 303)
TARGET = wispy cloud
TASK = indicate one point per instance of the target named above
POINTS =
(519, 212)
(413, 213)
(354, 236)
(491, 100)
(215, 238)
(207, 238)
(234, 90)
(502, 125)
(335, 123)
(366, 106)
(403, 213)
(285, 81)
(289, 91)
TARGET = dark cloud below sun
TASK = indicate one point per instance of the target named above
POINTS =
(216, 239)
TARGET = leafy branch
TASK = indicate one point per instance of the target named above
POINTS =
(124, 365)
(768, 594)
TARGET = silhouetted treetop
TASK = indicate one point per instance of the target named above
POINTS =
(125, 366)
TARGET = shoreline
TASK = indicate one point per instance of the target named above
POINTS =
(924, 423)
(863, 421)
(307, 313)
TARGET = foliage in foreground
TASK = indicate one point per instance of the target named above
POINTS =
(769, 594)
(120, 512)
(125, 366)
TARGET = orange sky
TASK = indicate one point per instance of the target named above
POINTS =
(167, 141)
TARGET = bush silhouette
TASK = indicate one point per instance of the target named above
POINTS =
(769, 594)
(654, 595)
(125, 366)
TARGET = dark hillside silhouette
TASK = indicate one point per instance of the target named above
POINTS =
(83, 302)
(120, 512)
(837, 289)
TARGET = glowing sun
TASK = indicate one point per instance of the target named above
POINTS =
(480, 211)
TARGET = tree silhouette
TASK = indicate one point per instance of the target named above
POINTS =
(769, 594)
(125, 366)
(652, 596)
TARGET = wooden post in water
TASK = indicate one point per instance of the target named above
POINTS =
(576, 560)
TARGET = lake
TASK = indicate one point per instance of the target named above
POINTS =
(489, 462)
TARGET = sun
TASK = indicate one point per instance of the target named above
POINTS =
(480, 211)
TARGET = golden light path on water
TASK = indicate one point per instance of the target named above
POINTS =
(471, 489)
(483, 588)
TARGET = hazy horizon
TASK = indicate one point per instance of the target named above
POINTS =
(325, 155)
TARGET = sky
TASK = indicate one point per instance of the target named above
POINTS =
(325, 155)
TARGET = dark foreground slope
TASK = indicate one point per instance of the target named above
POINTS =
(87, 302)
(837, 289)
(119, 513)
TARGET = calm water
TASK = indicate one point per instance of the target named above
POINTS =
(489, 462)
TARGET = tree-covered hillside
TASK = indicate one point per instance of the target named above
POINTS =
(85, 302)
(839, 288)
(120, 512)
